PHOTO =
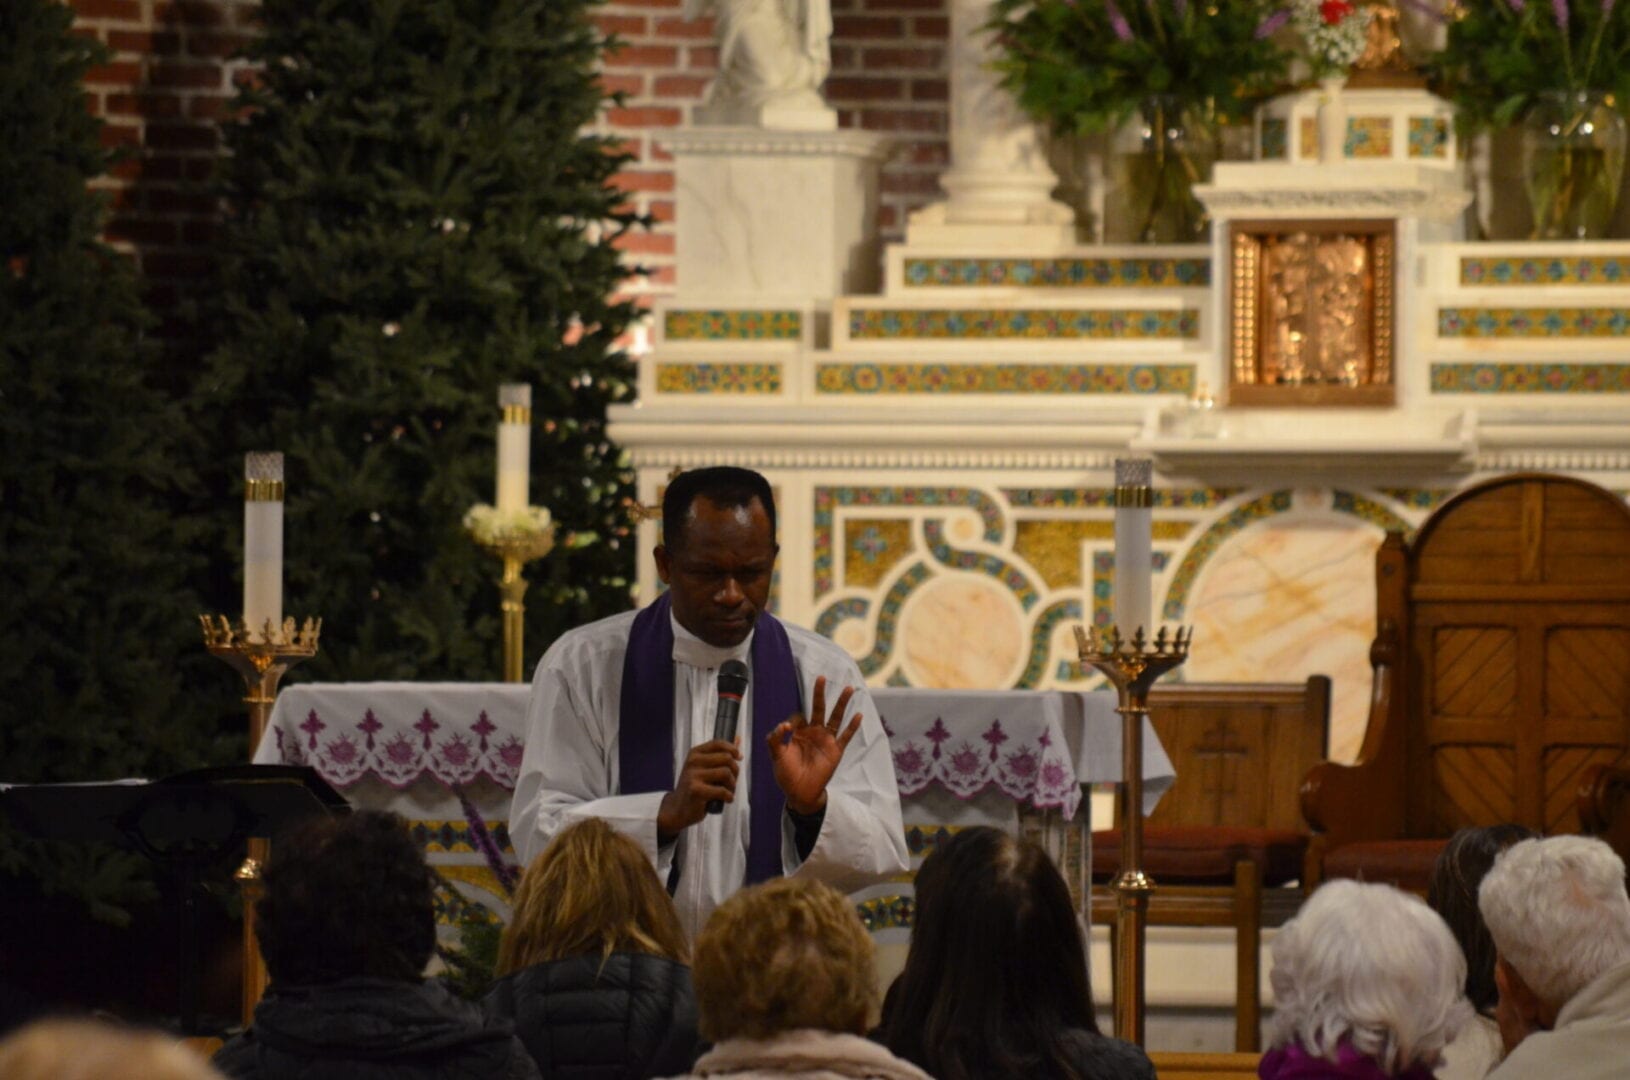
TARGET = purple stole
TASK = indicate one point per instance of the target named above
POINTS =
(645, 724)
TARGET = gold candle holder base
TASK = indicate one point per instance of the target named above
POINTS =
(516, 547)
(260, 657)
(1132, 666)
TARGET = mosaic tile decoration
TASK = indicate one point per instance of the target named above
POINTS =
(737, 325)
(989, 565)
(1310, 138)
(1057, 273)
(840, 611)
(871, 548)
(887, 913)
(1570, 322)
(1530, 378)
(721, 378)
(452, 836)
(1428, 137)
(1366, 509)
(1275, 139)
(1096, 498)
(1418, 498)
(991, 324)
(888, 618)
(1258, 509)
(1547, 270)
(1103, 585)
(828, 499)
(1052, 546)
(1368, 137)
(884, 378)
(1041, 639)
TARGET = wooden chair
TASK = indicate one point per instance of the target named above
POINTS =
(1501, 687)
(1225, 845)
(1206, 1066)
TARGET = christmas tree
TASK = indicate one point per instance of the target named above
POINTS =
(415, 217)
(102, 673)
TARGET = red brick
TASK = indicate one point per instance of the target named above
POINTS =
(143, 41)
(664, 275)
(121, 10)
(661, 209)
(168, 201)
(124, 73)
(161, 167)
(843, 57)
(913, 59)
(860, 89)
(622, 25)
(172, 264)
(644, 243)
(689, 87)
(644, 181)
(143, 231)
(702, 58)
(685, 28)
(898, 183)
(936, 153)
(198, 169)
(189, 13)
(930, 120)
(659, 154)
(208, 107)
(190, 75)
(648, 4)
(120, 135)
(887, 217)
(199, 233)
(623, 84)
(180, 137)
(217, 46)
(931, 26)
(643, 56)
(930, 90)
(151, 106)
(867, 26)
(645, 116)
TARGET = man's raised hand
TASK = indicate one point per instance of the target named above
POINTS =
(709, 773)
(805, 752)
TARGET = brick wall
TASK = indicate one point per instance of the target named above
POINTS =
(170, 80)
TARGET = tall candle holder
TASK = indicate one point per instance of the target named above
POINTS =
(260, 657)
(516, 539)
(1132, 667)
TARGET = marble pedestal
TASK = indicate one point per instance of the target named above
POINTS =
(778, 216)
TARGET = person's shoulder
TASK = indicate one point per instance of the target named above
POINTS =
(827, 656)
(583, 643)
(1101, 1057)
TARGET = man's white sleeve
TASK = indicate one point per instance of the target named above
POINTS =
(569, 771)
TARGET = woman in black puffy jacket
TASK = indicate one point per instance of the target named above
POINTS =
(593, 963)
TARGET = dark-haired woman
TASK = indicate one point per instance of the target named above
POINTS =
(995, 984)
(1452, 893)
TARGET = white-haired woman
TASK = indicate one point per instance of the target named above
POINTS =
(1367, 983)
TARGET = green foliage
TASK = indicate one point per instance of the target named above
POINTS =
(102, 673)
(414, 218)
(1498, 57)
(1085, 65)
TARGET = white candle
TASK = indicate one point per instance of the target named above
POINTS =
(514, 446)
(262, 541)
(1134, 497)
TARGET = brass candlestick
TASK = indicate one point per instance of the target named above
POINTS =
(1133, 666)
(516, 547)
(261, 658)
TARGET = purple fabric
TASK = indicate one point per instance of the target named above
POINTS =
(1294, 1063)
(646, 722)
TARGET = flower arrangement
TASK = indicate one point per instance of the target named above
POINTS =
(1501, 55)
(488, 524)
(1333, 33)
(1088, 65)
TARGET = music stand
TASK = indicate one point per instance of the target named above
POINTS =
(185, 823)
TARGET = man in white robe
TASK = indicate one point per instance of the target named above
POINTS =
(841, 822)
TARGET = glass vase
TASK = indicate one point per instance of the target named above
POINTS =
(1158, 159)
(1573, 163)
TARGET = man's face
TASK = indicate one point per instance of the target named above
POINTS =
(718, 577)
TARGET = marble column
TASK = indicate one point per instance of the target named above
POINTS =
(999, 183)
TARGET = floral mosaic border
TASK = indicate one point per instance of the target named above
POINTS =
(1258, 509)
(883, 378)
(1428, 137)
(1478, 378)
(1545, 270)
(714, 378)
(1057, 273)
(985, 324)
(1103, 584)
(1367, 509)
(894, 912)
(888, 618)
(1104, 498)
(829, 499)
(1368, 137)
(762, 324)
(992, 566)
(855, 607)
(1041, 639)
(1479, 322)
(454, 837)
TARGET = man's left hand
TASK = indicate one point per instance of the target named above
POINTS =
(805, 752)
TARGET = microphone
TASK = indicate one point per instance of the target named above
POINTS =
(732, 685)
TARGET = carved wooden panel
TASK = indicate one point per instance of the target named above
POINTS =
(1473, 785)
(1563, 767)
(1474, 671)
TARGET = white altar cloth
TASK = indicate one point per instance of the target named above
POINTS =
(1016, 759)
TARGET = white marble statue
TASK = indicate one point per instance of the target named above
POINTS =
(773, 57)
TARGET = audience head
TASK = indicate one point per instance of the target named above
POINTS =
(346, 896)
(997, 971)
(1373, 967)
(790, 953)
(592, 890)
(718, 551)
(93, 1050)
(1559, 916)
(1453, 894)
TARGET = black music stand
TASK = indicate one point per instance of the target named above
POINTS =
(186, 824)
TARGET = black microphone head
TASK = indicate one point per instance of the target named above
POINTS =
(733, 677)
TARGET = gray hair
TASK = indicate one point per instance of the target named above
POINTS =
(1371, 965)
(1558, 913)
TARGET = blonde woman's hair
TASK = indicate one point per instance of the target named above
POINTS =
(790, 953)
(94, 1050)
(592, 890)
